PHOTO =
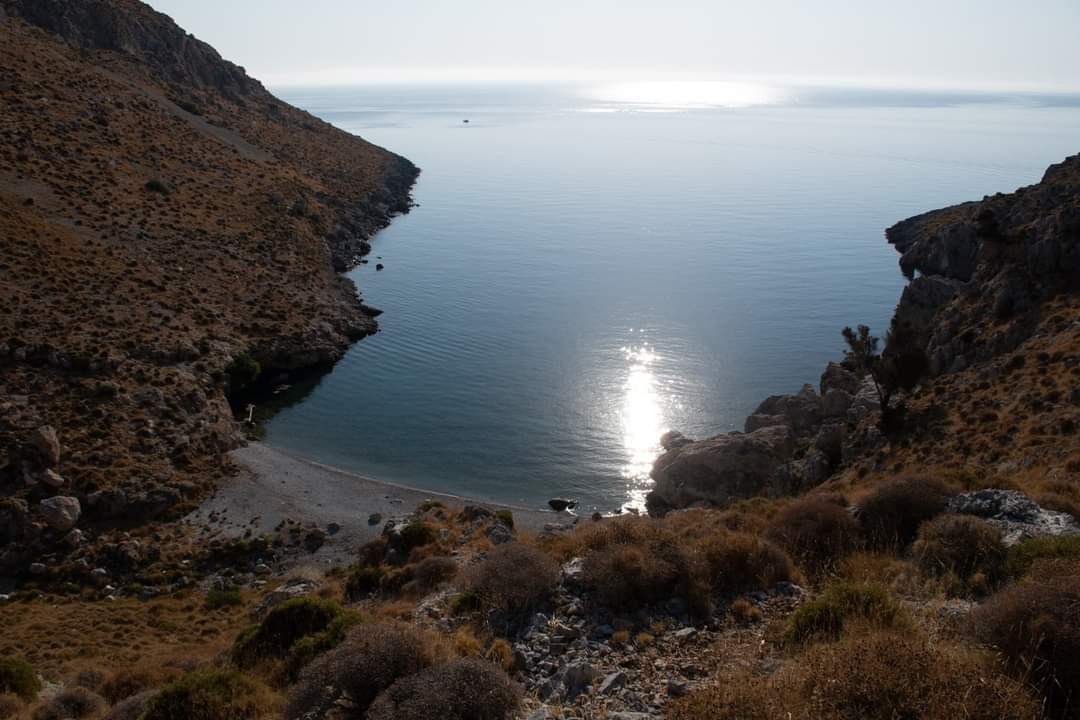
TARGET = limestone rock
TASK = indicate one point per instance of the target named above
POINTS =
(838, 377)
(1018, 516)
(803, 410)
(60, 512)
(46, 442)
(759, 420)
(719, 469)
(51, 479)
(800, 475)
(835, 402)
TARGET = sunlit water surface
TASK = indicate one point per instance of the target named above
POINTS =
(589, 268)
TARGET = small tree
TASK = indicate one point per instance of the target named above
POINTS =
(863, 354)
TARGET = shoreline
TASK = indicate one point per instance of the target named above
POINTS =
(273, 486)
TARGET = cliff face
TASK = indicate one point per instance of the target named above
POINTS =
(160, 215)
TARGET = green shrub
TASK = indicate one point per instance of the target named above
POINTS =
(960, 544)
(415, 534)
(466, 689)
(363, 581)
(369, 660)
(514, 578)
(219, 598)
(242, 371)
(892, 514)
(211, 695)
(824, 617)
(309, 647)
(817, 531)
(506, 517)
(157, 186)
(282, 627)
(1023, 555)
(18, 678)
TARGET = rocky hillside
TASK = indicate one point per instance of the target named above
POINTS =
(987, 334)
(167, 228)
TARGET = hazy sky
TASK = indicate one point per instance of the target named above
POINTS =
(1018, 44)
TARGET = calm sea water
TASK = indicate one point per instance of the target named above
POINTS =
(588, 269)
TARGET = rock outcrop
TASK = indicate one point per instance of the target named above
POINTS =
(1015, 514)
(719, 469)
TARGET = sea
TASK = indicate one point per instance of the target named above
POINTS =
(589, 266)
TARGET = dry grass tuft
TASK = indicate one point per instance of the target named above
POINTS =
(879, 676)
(213, 695)
(891, 515)
(825, 617)
(817, 531)
(962, 545)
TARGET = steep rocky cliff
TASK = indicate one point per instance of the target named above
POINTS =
(161, 216)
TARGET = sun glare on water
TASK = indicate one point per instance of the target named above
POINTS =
(686, 94)
(642, 422)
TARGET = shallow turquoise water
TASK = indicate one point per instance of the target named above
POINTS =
(582, 275)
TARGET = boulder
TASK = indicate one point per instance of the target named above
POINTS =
(60, 512)
(47, 444)
(866, 401)
(838, 377)
(673, 439)
(561, 504)
(719, 469)
(803, 410)
(1015, 514)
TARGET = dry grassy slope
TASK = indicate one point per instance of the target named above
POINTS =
(121, 305)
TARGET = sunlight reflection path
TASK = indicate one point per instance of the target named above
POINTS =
(642, 423)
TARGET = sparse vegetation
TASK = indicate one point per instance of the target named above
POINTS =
(242, 372)
(223, 597)
(1023, 555)
(71, 704)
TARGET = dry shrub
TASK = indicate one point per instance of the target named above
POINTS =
(11, 707)
(466, 643)
(366, 663)
(1036, 625)
(879, 676)
(960, 544)
(432, 572)
(132, 708)
(212, 695)
(311, 646)
(737, 563)
(634, 562)
(71, 704)
(825, 616)
(501, 653)
(125, 683)
(744, 612)
(466, 689)
(514, 578)
(816, 531)
(891, 515)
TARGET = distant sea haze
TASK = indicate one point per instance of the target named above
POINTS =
(590, 267)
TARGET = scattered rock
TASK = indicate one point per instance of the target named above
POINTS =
(38, 568)
(561, 504)
(60, 512)
(612, 683)
(51, 479)
(47, 444)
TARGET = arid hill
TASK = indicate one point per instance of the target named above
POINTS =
(163, 220)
